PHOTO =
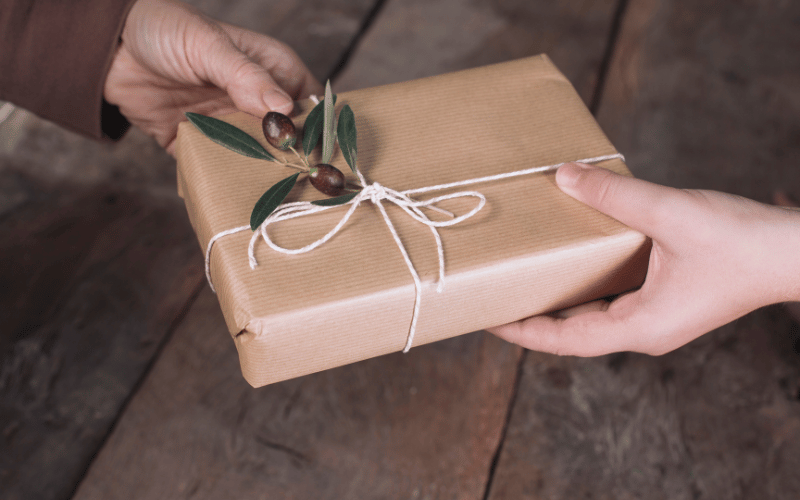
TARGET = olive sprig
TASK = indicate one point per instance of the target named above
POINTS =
(280, 132)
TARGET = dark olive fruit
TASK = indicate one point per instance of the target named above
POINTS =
(327, 179)
(279, 130)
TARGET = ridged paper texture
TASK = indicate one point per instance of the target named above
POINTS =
(532, 249)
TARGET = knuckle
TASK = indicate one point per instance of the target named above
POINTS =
(244, 68)
(664, 212)
(605, 189)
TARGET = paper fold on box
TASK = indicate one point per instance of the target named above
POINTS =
(530, 250)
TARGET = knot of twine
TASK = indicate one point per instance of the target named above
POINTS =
(377, 194)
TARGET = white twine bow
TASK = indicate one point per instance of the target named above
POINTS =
(377, 193)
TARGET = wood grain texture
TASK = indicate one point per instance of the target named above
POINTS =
(419, 38)
(719, 418)
(320, 31)
(699, 94)
(93, 280)
(707, 95)
(419, 425)
(98, 261)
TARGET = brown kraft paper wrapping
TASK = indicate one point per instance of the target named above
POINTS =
(531, 249)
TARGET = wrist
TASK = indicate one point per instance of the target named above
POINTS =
(794, 292)
(789, 241)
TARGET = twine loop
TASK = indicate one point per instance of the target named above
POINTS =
(377, 194)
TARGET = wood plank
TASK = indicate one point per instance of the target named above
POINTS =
(706, 96)
(421, 38)
(93, 280)
(98, 261)
(320, 31)
(699, 95)
(421, 425)
(719, 418)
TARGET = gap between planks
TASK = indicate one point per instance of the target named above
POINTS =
(594, 105)
(366, 24)
(506, 423)
(179, 317)
(605, 63)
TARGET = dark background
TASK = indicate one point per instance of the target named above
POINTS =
(118, 378)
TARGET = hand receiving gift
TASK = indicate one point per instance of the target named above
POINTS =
(715, 257)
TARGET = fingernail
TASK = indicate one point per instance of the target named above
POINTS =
(567, 175)
(278, 100)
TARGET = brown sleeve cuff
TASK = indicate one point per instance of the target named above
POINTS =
(54, 57)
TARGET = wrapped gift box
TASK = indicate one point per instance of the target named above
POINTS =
(530, 250)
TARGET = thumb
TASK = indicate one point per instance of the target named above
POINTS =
(249, 85)
(638, 204)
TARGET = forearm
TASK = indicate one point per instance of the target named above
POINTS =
(54, 57)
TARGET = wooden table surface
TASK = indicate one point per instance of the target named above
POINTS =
(118, 379)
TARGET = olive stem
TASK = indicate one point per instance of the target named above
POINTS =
(304, 160)
(298, 167)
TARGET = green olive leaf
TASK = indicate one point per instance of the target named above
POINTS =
(231, 137)
(270, 200)
(346, 134)
(312, 130)
(328, 131)
(339, 200)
